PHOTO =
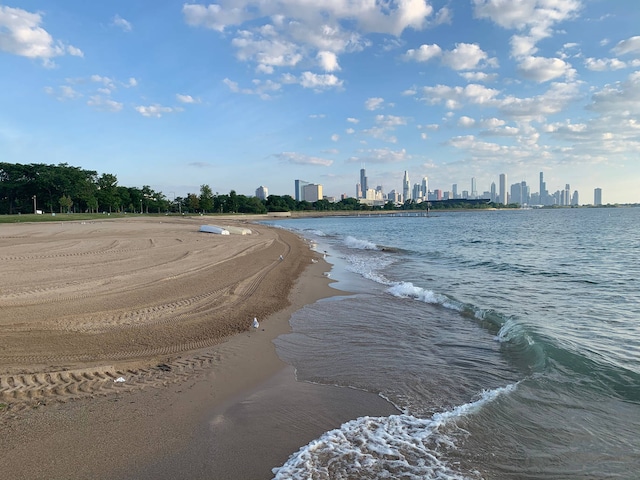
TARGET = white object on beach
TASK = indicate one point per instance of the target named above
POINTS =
(255, 322)
(237, 230)
(327, 274)
(120, 380)
(214, 229)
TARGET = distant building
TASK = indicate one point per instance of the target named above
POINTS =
(406, 187)
(574, 198)
(262, 192)
(504, 196)
(474, 190)
(425, 188)
(312, 192)
(364, 186)
(597, 197)
(394, 197)
(416, 195)
(299, 186)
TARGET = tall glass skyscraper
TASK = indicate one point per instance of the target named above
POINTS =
(363, 183)
(503, 189)
(406, 187)
(299, 191)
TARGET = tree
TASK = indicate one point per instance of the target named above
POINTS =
(232, 202)
(193, 202)
(107, 192)
(206, 198)
(65, 203)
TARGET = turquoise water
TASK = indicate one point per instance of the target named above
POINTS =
(509, 340)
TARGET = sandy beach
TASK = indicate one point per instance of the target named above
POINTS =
(126, 351)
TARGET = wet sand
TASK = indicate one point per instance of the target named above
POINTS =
(168, 309)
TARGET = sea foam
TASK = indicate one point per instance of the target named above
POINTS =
(398, 446)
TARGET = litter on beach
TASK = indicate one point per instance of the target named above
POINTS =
(120, 380)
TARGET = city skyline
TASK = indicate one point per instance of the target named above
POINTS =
(241, 93)
(503, 192)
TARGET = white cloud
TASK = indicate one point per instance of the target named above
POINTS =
(302, 159)
(263, 89)
(132, 82)
(186, 98)
(76, 52)
(350, 131)
(390, 121)
(539, 107)
(266, 51)
(296, 30)
(154, 110)
(424, 53)
(319, 82)
(479, 77)
(621, 98)
(328, 61)
(335, 137)
(374, 103)
(120, 22)
(455, 97)
(104, 104)
(628, 46)
(21, 34)
(465, 121)
(381, 155)
(535, 17)
(213, 16)
(542, 69)
(106, 81)
(352, 120)
(604, 64)
(66, 92)
(492, 122)
(466, 56)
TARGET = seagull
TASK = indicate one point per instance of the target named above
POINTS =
(255, 323)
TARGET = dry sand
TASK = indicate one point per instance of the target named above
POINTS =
(168, 309)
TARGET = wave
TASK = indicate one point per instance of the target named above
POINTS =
(353, 242)
(398, 446)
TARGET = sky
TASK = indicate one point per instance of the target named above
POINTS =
(239, 94)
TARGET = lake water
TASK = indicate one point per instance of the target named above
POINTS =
(508, 340)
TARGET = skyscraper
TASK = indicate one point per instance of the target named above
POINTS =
(363, 183)
(567, 195)
(406, 187)
(425, 188)
(474, 190)
(494, 197)
(597, 196)
(312, 192)
(262, 192)
(299, 190)
(503, 190)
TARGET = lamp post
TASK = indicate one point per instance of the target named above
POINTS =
(34, 205)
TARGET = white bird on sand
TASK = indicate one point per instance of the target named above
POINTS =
(255, 322)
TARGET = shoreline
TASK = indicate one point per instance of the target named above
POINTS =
(197, 427)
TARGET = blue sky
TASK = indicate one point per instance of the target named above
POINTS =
(242, 93)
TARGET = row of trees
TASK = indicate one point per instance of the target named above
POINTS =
(65, 189)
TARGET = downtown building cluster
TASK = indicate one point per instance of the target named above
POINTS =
(517, 193)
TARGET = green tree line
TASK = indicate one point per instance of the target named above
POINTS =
(67, 189)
